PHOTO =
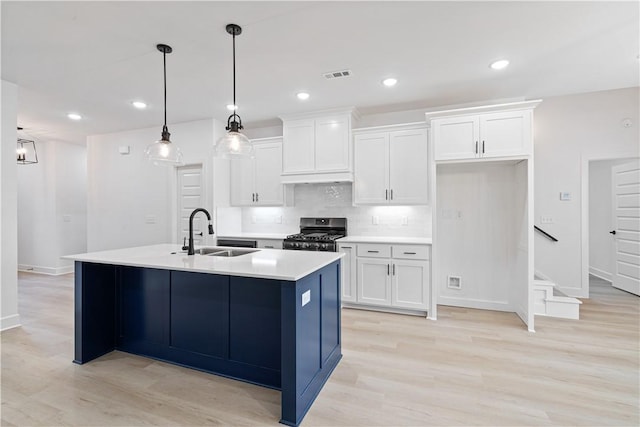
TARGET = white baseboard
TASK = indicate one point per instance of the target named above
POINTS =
(9, 322)
(473, 303)
(51, 271)
(601, 274)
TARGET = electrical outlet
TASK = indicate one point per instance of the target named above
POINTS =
(306, 297)
(66, 218)
(404, 220)
(565, 196)
(375, 220)
(278, 220)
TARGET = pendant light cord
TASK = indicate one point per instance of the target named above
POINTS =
(234, 75)
(164, 60)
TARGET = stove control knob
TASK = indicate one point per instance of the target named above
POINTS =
(305, 245)
(323, 246)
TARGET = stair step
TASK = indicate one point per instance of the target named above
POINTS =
(549, 301)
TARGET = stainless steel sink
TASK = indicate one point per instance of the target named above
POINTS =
(225, 252)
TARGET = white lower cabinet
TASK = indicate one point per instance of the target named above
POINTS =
(374, 281)
(348, 272)
(386, 275)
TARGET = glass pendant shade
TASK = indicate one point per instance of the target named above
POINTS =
(163, 152)
(233, 145)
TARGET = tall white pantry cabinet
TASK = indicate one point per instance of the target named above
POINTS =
(482, 254)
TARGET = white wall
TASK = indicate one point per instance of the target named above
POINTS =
(9, 316)
(570, 130)
(601, 217)
(131, 202)
(480, 212)
(52, 208)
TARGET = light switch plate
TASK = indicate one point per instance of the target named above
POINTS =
(565, 196)
(546, 219)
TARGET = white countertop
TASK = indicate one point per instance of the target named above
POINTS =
(264, 263)
(249, 235)
(387, 239)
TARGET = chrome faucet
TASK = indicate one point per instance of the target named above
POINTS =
(191, 248)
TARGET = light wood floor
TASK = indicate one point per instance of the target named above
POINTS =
(470, 367)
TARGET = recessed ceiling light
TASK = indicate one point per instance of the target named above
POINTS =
(500, 64)
(139, 105)
(302, 95)
(389, 82)
(232, 107)
(74, 116)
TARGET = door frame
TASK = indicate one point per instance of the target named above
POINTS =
(584, 209)
(174, 196)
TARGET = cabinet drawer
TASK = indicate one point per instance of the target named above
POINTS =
(410, 251)
(269, 244)
(374, 250)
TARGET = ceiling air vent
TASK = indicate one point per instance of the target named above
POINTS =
(337, 74)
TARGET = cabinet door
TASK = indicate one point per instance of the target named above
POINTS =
(242, 179)
(374, 281)
(505, 134)
(348, 273)
(333, 147)
(408, 167)
(268, 167)
(456, 138)
(410, 284)
(298, 146)
(371, 178)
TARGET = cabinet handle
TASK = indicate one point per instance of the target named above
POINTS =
(373, 252)
(346, 247)
(387, 269)
(391, 191)
(482, 147)
(386, 194)
(394, 269)
(476, 147)
(253, 197)
(268, 247)
(256, 197)
(409, 253)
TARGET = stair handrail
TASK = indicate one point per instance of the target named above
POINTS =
(547, 235)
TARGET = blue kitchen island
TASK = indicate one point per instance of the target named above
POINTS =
(270, 317)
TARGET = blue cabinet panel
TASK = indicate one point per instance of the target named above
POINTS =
(330, 311)
(144, 305)
(95, 326)
(200, 313)
(254, 317)
(308, 330)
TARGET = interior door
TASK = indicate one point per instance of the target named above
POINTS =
(190, 197)
(626, 216)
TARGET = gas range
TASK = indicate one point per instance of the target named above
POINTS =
(317, 234)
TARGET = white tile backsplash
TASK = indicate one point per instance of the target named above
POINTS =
(335, 200)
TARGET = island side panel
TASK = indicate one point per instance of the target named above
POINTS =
(311, 339)
(143, 311)
(94, 310)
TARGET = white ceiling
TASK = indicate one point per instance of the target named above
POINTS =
(96, 57)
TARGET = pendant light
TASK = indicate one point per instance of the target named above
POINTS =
(234, 144)
(164, 152)
(26, 153)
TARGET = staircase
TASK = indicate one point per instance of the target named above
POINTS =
(548, 301)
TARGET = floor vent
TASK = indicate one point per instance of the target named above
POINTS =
(337, 74)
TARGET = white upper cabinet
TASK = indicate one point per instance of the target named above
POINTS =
(483, 132)
(256, 181)
(298, 153)
(317, 147)
(391, 168)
